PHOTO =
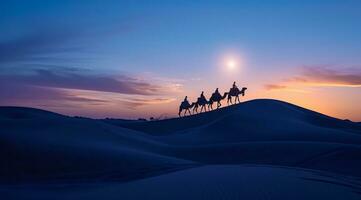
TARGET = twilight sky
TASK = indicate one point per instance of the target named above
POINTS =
(135, 59)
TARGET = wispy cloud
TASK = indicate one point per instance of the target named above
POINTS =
(37, 46)
(274, 87)
(319, 77)
(19, 94)
(64, 87)
(66, 79)
(47, 43)
(133, 103)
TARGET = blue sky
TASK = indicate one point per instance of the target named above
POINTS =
(177, 48)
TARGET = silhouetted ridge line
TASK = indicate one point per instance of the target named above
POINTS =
(258, 109)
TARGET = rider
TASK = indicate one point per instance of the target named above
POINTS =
(217, 92)
(234, 85)
(185, 101)
(202, 96)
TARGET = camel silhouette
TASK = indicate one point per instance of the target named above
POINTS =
(216, 97)
(201, 102)
(235, 92)
(185, 106)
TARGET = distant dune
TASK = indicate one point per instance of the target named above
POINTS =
(260, 149)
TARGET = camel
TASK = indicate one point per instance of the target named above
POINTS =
(235, 92)
(216, 97)
(202, 102)
(185, 106)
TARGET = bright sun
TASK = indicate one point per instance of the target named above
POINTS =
(231, 64)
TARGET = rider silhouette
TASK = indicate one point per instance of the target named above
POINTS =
(234, 85)
(202, 95)
(217, 92)
(185, 101)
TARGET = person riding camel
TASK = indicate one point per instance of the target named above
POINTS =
(234, 85)
(202, 96)
(217, 94)
(202, 101)
(185, 101)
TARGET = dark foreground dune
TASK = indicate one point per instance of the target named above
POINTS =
(260, 149)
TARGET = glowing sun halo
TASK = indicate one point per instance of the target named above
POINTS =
(231, 64)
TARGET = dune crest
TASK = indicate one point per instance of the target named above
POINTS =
(41, 147)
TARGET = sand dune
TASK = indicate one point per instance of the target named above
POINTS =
(211, 152)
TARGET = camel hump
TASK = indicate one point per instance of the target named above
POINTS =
(185, 104)
(217, 95)
(234, 90)
(214, 95)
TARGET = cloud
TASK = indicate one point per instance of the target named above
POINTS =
(62, 88)
(67, 79)
(48, 43)
(33, 96)
(19, 94)
(274, 87)
(133, 103)
(37, 46)
(329, 77)
(319, 77)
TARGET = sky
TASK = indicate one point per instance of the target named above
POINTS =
(138, 59)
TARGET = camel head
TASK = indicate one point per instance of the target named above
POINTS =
(243, 90)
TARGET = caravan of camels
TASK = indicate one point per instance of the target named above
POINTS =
(216, 97)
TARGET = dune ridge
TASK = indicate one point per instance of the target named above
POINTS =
(43, 147)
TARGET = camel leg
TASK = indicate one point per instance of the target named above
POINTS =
(189, 111)
(230, 100)
(204, 108)
(185, 112)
